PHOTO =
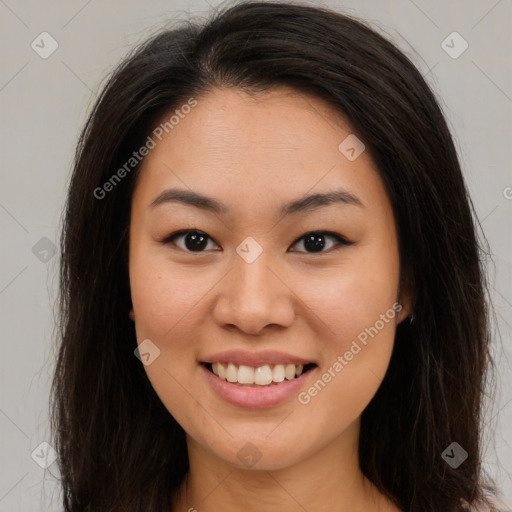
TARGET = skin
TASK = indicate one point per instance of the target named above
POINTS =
(254, 153)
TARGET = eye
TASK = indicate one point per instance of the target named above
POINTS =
(192, 240)
(316, 241)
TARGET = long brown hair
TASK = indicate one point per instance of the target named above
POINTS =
(118, 446)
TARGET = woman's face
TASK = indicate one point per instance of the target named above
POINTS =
(246, 288)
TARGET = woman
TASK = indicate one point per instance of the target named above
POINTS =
(271, 289)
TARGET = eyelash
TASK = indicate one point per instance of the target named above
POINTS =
(340, 239)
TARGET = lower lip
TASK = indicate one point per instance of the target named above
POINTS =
(244, 396)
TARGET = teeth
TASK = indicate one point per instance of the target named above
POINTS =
(245, 375)
(262, 376)
(289, 371)
(232, 373)
(278, 373)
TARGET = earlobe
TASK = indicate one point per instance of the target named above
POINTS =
(407, 306)
(408, 318)
(132, 315)
(404, 315)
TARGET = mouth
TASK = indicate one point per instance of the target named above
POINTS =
(264, 376)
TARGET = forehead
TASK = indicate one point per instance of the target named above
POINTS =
(255, 148)
(263, 124)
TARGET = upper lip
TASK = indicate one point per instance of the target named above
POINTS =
(255, 359)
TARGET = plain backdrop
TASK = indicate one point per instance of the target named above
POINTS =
(44, 103)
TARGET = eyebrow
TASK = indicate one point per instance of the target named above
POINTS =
(302, 204)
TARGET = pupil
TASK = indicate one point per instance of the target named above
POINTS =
(195, 241)
(314, 242)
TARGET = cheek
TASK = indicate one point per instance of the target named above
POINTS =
(359, 306)
(354, 297)
(167, 300)
(165, 295)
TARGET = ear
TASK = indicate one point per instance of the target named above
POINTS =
(407, 302)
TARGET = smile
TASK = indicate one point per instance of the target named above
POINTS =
(238, 384)
(265, 375)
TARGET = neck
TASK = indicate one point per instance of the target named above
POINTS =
(326, 480)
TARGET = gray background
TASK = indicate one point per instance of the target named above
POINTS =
(44, 103)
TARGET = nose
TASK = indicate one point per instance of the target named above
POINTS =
(253, 296)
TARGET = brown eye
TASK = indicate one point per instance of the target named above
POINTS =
(316, 241)
(190, 240)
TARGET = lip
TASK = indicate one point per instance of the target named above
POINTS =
(256, 398)
(256, 359)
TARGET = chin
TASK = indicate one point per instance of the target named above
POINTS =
(257, 453)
